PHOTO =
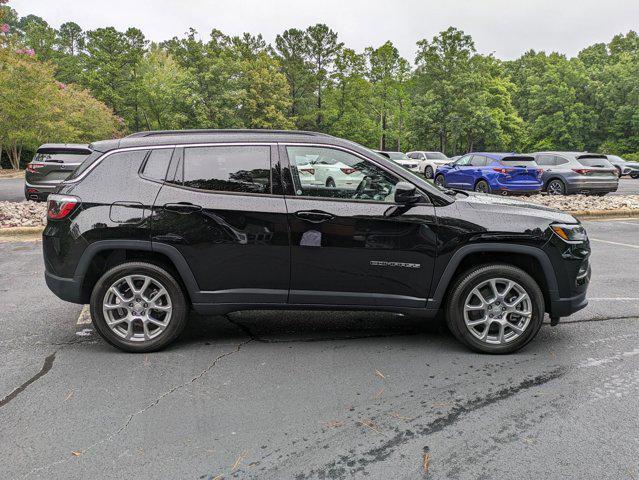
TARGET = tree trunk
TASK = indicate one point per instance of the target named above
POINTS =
(382, 140)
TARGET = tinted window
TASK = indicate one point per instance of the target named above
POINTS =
(594, 162)
(546, 160)
(413, 155)
(396, 155)
(560, 161)
(61, 157)
(332, 173)
(436, 156)
(228, 169)
(157, 163)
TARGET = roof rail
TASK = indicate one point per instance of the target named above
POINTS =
(154, 133)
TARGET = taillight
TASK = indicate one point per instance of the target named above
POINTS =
(503, 170)
(581, 171)
(308, 170)
(60, 206)
(348, 171)
(32, 167)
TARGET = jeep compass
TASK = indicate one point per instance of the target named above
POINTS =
(153, 225)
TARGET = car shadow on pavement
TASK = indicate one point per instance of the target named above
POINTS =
(311, 326)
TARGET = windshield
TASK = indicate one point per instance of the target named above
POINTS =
(397, 156)
(436, 156)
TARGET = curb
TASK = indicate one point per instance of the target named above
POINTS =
(20, 231)
(594, 214)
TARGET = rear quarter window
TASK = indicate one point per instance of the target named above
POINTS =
(86, 163)
(157, 163)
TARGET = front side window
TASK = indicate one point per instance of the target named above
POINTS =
(227, 169)
(464, 161)
(331, 173)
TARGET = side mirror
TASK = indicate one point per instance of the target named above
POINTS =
(405, 193)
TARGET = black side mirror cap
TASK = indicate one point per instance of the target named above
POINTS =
(406, 194)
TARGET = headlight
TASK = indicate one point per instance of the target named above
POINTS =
(571, 233)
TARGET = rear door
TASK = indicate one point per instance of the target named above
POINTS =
(222, 208)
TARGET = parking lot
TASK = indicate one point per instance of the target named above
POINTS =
(321, 395)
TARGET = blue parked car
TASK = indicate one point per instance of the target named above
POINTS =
(504, 173)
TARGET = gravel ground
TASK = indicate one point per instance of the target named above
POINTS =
(32, 214)
(586, 202)
(22, 214)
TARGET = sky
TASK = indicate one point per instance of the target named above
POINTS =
(504, 28)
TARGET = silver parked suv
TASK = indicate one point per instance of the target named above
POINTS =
(52, 163)
(566, 173)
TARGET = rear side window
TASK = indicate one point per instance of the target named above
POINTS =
(228, 169)
(436, 156)
(479, 161)
(157, 163)
(547, 160)
(594, 162)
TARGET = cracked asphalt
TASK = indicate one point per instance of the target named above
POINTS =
(303, 395)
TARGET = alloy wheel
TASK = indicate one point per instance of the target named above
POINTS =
(439, 181)
(428, 172)
(497, 311)
(555, 187)
(481, 187)
(137, 308)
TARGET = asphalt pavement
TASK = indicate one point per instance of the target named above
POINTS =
(302, 395)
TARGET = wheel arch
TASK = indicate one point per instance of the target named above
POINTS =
(101, 255)
(533, 260)
(554, 177)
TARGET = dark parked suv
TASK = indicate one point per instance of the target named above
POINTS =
(52, 163)
(158, 223)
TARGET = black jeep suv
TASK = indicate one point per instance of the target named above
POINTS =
(157, 223)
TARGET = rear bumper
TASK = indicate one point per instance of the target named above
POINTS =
(34, 191)
(67, 289)
(591, 187)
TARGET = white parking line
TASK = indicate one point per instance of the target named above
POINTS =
(629, 223)
(614, 299)
(85, 316)
(615, 243)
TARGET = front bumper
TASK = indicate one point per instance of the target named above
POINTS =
(563, 307)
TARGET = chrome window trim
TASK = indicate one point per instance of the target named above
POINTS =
(154, 147)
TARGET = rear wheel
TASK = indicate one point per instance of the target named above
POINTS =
(330, 183)
(440, 181)
(138, 307)
(556, 187)
(429, 172)
(495, 308)
(482, 187)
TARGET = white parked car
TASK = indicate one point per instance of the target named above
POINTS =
(429, 161)
(401, 159)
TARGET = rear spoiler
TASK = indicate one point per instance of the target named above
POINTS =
(592, 155)
(79, 151)
(523, 158)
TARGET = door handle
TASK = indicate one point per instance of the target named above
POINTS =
(183, 208)
(314, 216)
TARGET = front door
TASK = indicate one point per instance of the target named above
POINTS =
(350, 245)
(220, 210)
(456, 176)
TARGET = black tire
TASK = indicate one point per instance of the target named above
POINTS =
(482, 187)
(556, 187)
(634, 175)
(429, 172)
(330, 183)
(467, 281)
(179, 314)
(440, 180)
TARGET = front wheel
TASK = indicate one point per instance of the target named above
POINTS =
(138, 307)
(429, 172)
(330, 183)
(440, 181)
(495, 308)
